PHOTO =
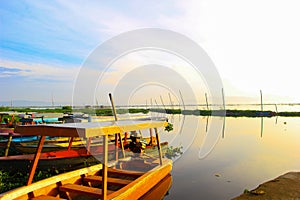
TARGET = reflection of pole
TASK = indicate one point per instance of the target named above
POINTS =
(223, 129)
(261, 126)
(206, 101)
(206, 124)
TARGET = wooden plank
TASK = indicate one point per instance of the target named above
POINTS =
(110, 180)
(65, 177)
(159, 190)
(8, 145)
(122, 145)
(116, 147)
(158, 145)
(104, 170)
(90, 129)
(125, 172)
(143, 184)
(35, 160)
(70, 143)
(44, 197)
(89, 140)
(83, 190)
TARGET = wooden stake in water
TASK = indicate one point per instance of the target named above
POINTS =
(182, 100)
(171, 103)
(156, 103)
(113, 106)
(262, 118)
(161, 99)
(276, 108)
(223, 97)
(116, 119)
(206, 101)
(261, 101)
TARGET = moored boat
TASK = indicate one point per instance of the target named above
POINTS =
(122, 178)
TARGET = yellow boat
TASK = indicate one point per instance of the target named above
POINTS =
(123, 178)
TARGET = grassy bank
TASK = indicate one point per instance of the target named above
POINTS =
(229, 113)
(108, 111)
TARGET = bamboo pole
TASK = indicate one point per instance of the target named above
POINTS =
(261, 101)
(206, 101)
(262, 118)
(8, 144)
(158, 145)
(113, 106)
(161, 99)
(105, 166)
(156, 103)
(171, 103)
(224, 120)
(182, 100)
(223, 98)
(116, 119)
(146, 104)
(36, 159)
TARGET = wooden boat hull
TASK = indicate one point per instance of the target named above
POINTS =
(85, 183)
(58, 144)
(68, 160)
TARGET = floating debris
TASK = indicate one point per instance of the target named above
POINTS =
(257, 192)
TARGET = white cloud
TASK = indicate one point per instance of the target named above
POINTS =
(254, 44)
(39, 71)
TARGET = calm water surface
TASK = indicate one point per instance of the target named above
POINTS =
(247, 152)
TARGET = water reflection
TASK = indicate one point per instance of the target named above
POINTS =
(248, 152)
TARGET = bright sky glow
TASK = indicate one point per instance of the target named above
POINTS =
(254, 44)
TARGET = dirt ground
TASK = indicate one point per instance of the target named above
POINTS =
(285, 187)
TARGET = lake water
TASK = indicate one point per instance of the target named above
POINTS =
(239, 154)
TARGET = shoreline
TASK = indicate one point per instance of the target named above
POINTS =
(286, 186)
(196, 112)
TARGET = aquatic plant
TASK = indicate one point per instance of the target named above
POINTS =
(173, 152)
(169, 127)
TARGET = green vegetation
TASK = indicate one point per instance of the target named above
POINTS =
(169, 127)
(68, 109)
(11, 180)
(108, 112)
(173, 152)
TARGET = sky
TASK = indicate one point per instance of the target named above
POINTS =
(254, 46)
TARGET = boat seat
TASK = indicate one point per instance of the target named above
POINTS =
(112, 181)
(85, 190)
(44, 197)
(130, 173)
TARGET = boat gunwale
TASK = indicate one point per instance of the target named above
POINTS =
(133, 187)
(83, 130)
(124, 191)
(24, 190)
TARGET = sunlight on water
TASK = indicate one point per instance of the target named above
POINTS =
(246, 154)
